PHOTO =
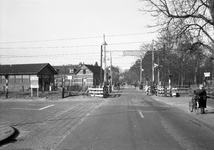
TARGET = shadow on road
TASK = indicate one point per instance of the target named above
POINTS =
(11, 139)
(114, 95)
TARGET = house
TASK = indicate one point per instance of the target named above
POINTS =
(88, 75)
(66, 72)
(19, 76)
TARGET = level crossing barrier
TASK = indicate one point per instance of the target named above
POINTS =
(160, 91)
(99, 92)
(172, 92)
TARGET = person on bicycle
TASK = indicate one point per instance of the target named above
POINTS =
(201, 92)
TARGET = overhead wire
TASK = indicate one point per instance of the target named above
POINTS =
(77, 38)
(77, 46)
(84, 54)
(51, 55)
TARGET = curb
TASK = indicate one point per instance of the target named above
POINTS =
(5, 132)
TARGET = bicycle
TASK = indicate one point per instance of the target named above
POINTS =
(194, 104)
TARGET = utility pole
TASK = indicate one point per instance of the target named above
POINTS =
(111, 72)
(158, 67)
(153, 69)
(141, 60)
(104, 46)
(170, 76)
(101, 64)
(164, 70)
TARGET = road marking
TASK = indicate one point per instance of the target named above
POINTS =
(24, 108)
(34, 108)
(141, 114)
(46, 107)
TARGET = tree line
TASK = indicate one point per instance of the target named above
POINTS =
(184, 48)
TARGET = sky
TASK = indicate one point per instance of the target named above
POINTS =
(62, 32)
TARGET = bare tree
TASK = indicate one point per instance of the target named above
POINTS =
(180, 16)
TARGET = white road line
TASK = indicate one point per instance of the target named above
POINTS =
(24, 108)
(34, 108)
(141, 114)
(46, 107)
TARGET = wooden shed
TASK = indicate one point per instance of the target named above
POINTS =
(19, 76)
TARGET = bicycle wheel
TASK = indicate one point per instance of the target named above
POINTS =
(191, 106)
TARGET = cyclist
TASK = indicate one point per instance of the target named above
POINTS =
(201, 92)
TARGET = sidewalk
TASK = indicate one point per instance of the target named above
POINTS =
(183, 104)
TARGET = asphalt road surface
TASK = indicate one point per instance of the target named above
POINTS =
(127, 120)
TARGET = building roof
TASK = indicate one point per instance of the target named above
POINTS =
(68, 69)
(94, 69)
(24, 69)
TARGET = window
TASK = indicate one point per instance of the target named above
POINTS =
(84, 71)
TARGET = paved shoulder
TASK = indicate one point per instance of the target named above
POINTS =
(182, 103)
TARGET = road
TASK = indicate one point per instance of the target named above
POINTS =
(128, 120)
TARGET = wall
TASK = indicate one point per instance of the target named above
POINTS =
(84, 77)
(16, 82)
(22, 82)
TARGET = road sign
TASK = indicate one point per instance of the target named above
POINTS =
(69, 77)
(206, 74)
(133, 53)
(34, 82)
